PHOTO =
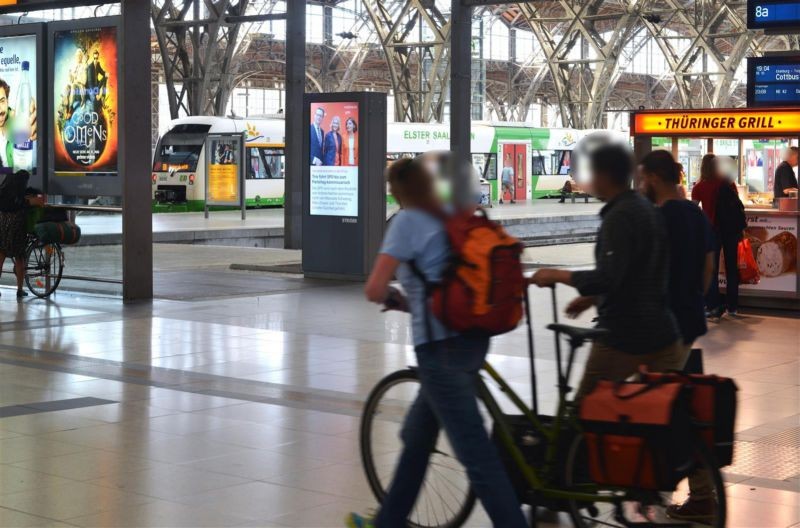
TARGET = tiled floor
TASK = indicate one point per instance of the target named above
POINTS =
(244, 411)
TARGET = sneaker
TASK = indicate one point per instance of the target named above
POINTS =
(501, 200)
(21, 294)
(715, 313)
(697, 510)
(355, 520)
(733, 313)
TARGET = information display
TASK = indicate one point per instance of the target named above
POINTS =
(19, 127)
(773, 81)
(773, 14)
(333, 156)
(85, 105)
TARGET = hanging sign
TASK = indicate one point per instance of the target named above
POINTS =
(730, 122)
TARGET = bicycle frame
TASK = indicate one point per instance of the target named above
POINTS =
(532, 476)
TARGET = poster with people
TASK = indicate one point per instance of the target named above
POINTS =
(333, 156)
(223, 171)
(18, 104)
(85, 101)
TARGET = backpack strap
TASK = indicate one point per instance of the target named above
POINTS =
(428, 287)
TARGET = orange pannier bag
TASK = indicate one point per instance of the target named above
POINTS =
(712, 406)
(638, 434)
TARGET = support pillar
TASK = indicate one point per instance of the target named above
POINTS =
(460, 98)
(134, 151)
(295, 87)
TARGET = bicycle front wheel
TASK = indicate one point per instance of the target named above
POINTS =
(44, 266)
(645, 508)
(445, 499)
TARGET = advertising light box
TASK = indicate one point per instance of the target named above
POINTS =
(21, 104)
(333, 140)
(84, 109)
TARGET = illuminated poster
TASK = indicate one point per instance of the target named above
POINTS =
(18, 125)
(774, 243)
(333, 142)
(85, 101)
(223, 172)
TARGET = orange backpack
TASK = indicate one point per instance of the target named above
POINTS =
(482, 290)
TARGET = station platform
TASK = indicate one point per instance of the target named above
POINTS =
(244, 410)
(537, 222)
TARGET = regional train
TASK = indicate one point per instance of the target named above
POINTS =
(541, 157)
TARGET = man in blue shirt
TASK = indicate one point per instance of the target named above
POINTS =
(691, 268)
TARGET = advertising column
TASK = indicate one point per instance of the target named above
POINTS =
(225, 171)
(344, 209)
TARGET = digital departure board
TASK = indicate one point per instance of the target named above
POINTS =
(773, 14)
(773, 81)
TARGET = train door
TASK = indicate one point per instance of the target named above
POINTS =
(515, 156)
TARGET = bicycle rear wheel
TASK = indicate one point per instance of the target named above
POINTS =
(44, 267)
(445, 499)
(643, 508)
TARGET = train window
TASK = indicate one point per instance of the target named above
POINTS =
(265, 164)
(176, 157)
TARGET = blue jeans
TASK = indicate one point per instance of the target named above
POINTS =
(448, 397)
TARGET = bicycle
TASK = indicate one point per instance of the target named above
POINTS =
(544, 455)
(44, 266)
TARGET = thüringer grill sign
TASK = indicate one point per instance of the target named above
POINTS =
(734, 122)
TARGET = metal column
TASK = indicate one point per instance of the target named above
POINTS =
(295, 87)
(134, 151)
(460, 97)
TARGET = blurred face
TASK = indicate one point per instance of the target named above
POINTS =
(647, 184)
(350, 126)
(793, 158)
(335, 123)
(601, 185)
(3, 107)
(96, 56)
(318, 116)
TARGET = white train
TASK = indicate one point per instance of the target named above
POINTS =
(542, 157)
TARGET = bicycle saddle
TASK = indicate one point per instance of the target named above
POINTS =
(578, 335)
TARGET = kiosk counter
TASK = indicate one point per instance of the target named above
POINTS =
(757, 137)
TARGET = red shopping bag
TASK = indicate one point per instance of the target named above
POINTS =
(748, 269)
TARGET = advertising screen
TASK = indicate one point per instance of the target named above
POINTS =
(333, 140)
(773, 81)
(18, 88)
(85, 105)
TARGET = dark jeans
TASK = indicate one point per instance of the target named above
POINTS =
(447, 372)
(728, 245)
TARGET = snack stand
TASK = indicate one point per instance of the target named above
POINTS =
(772, 232)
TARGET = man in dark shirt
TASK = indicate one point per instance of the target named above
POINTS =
(784, 174)
(629, 282)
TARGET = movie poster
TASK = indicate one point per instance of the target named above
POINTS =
(333, 155)
(18, 83)
(85, 101)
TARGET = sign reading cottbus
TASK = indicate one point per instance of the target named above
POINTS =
(733, 122)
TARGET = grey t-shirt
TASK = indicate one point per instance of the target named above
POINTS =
(417, 236)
